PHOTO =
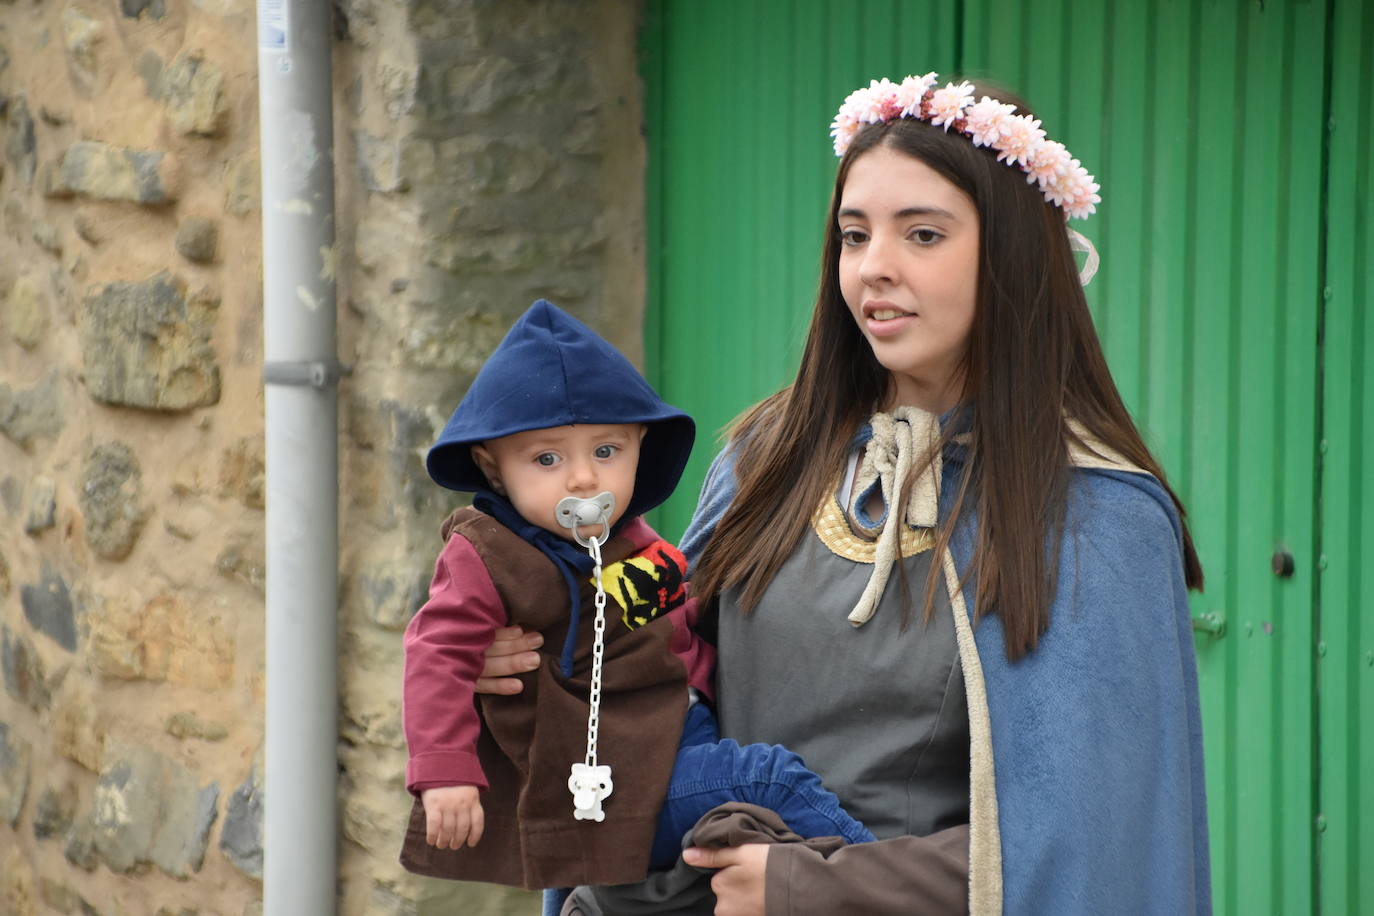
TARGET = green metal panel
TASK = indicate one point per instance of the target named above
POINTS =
(1345, 665)
(1208, 304)
(740, 98)
(1207, 307)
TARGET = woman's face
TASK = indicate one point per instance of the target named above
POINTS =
(909, 271)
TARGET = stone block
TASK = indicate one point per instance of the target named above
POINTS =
(25, 679)
(48, 607)
(148, 808)
(245, 559)
(79, 846)
(17, 894)
(28, 311)
(77, 725)
(107, 172)
(53, 812)
(87, 229)
(379, 162)
(21, 144)
(149, 67)
(187, 724)
(46, 236)
(148, 345)
(63, 898)
(197, 239)
(240, 839)
(42, 512)
(163, 640)
(243, 472)
(14, 774)
(242, 185)
(112, 499)
(392, 591)
(28, 414)
(81, 34)
(136, 9)
(193, 90)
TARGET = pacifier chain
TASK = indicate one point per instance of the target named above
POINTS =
(590, 783)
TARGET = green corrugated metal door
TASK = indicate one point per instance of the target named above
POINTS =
(1203, 122)
(1345, 651)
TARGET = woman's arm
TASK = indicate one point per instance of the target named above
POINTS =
(893, 877)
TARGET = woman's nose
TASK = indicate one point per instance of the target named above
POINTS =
(876, 267)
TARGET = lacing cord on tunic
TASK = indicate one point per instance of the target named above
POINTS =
(904, 436)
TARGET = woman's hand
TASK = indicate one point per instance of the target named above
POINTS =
(509, 653)
(739, 884)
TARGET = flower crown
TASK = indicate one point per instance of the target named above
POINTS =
(1018, 139)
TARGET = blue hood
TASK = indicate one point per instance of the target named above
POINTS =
(553, 370)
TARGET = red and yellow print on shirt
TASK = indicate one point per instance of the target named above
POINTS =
(647, 584)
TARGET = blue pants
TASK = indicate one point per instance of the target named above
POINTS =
(710, 771)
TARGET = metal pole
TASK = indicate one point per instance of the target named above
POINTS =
(300, 372)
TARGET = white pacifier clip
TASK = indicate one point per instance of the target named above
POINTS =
(589, 782)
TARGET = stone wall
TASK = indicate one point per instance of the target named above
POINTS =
(487, 153)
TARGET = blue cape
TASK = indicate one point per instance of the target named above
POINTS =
(1097, 804)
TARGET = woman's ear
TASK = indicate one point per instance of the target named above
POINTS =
(487, 465)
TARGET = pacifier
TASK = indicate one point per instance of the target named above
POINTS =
(574, 511)
(590, 782)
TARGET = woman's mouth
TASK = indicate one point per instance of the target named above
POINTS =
(883, 319)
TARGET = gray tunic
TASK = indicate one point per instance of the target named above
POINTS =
(892, 738)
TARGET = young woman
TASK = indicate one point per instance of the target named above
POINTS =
(949, 572)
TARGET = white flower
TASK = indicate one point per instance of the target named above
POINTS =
(947, 103)
(1021, 134)
(986, 121)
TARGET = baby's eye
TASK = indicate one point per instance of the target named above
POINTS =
(546, 459)
(852, 237)
(606, 451)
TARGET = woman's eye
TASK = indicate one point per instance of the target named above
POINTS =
(925, 236)
(605, 451)
(852, 237)
(547, 459)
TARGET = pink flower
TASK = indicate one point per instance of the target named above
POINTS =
(985, 121)
(1078, 192)
(843, 129)
(1021, 134)
(911, 93)
(947, 103)
(1046, 163)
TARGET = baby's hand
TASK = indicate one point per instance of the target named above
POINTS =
(453, 816)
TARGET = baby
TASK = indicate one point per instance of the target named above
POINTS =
(559, 423)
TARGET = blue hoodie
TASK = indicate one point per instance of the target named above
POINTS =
(553, 370)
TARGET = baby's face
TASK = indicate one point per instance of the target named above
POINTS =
(537, 468)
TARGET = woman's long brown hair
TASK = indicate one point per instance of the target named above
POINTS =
(1033, 360)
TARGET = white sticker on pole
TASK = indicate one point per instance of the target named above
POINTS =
(274, 25)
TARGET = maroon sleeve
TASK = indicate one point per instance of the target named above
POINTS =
(698, 655)
(444, 646)
(895, 877)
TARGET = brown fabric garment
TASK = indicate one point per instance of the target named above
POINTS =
(903, 876)
(530, 740)
(685, 890)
